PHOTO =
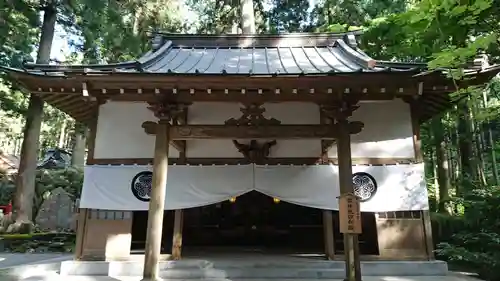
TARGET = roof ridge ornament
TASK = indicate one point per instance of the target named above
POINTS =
(157, 42)
(481, 61)
(351, 40)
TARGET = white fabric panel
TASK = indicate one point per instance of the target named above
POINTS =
(311, 186)
(399, 187)
(110, 187)
(195, 186)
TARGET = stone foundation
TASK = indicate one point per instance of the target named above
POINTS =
(264, 267)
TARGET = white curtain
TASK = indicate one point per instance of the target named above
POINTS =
(399, 187)
(110, 187)
(311, 186)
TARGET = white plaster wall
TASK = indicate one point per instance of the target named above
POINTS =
(119, 131)
(287, 113)
(387, 132)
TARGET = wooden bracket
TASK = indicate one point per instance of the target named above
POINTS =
(340, 110)
(255, 152)
(253, 115)
(168, 111)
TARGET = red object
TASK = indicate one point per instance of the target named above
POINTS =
(7, 209)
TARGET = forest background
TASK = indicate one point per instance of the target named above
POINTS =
(460, 146)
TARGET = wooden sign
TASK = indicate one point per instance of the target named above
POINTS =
(349, 213)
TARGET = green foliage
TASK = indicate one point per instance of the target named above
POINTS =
(18, 26)
(475, 245)
(219, 17)
(446, 33)
(38, 242)
(111, 31)
(70, 179)
(329, 15)
(288, 15)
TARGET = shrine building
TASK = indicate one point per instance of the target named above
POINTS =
(259, 135)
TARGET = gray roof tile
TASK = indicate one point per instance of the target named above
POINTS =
(296, 54)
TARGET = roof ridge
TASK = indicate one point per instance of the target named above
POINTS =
(261, 35)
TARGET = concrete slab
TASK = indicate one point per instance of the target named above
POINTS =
(16, 259)
(253, 268)
(19, 266)
(53, 277)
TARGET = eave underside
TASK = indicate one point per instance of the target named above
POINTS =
(79, 95)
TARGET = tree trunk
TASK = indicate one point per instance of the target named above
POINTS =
(25, 180)
(247, 17)
(430, 169)
(78, 151)
(490, 143)
(478, 145)
(62, 135)
(466, 150)
(137, 19)
(441, 165)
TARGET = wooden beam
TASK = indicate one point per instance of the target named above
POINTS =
(249, 95)
(178, 144)
(51, 99)
(69, 102)
(242, 161)
(246, 81)
(188, 132)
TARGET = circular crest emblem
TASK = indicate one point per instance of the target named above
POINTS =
(141, 185)
(365, 185)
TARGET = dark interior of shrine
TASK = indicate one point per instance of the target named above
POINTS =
(254, 222)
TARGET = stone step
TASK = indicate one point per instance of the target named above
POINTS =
(228, 264)
(268, 273)
(196, 269)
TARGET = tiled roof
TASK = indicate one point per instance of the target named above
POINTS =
(301, 53)
(285, 59)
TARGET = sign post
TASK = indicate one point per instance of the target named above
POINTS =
(350, 226)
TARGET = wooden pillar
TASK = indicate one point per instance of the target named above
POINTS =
(328, 234)
(417, 146)
(81, 224)
(156, 203)
(351, 245)
(179, 214)
(177, 237)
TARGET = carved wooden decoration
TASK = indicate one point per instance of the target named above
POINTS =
(168, 111)
(253, 115)
(253, 125)
(340, 110)
(255, 152)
